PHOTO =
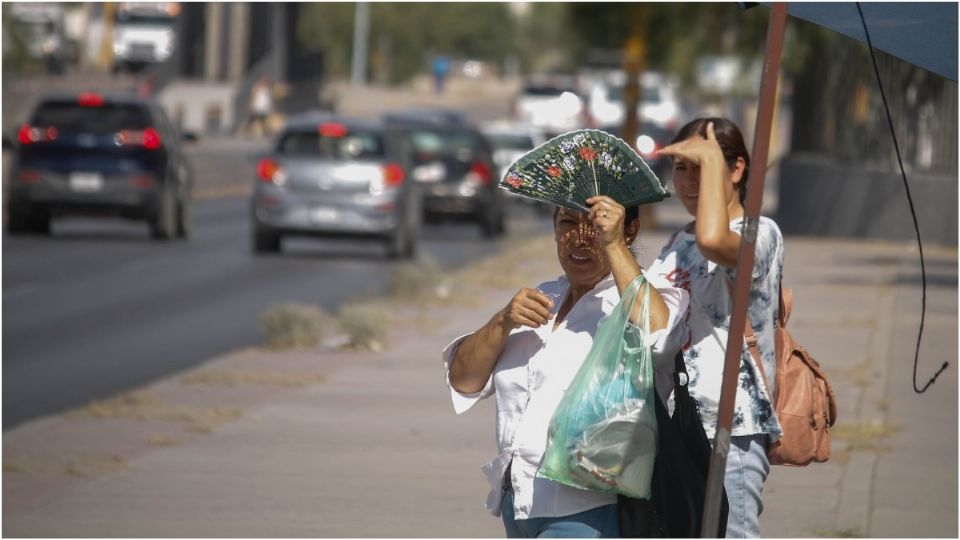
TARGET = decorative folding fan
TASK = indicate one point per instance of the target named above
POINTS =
(572, 167)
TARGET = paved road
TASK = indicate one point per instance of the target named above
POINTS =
(98, 307)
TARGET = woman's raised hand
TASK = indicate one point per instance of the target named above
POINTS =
(529, 307)
(696, 149)
(607, 217)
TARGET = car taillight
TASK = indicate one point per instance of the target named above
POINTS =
(333, 130)
(30, 134)
(148, 138)
(89, 99)
(269, 171)
(481, 172)
(151, 139)
(393, 175)
(28, 176)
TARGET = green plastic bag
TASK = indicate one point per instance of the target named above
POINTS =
(603, 435)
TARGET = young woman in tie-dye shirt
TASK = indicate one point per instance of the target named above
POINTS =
(711, 168)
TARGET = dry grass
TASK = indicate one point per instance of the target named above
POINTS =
(865, 436)
(161, 441)
(366, 325)
(860, 375)
(252, 378)
(143, 406)
(295, 326)
(851, 532)
(82, 466)
(420, 281)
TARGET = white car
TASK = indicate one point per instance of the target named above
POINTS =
(551, 105)
(659, 104)
(509, 141)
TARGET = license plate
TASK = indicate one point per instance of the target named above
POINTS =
(86, 182)
(323, 215)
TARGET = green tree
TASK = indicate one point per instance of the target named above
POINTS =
(404, 36)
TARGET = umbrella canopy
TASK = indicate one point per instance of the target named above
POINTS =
(922, 33)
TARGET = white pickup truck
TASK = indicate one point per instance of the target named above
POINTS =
(143, 33)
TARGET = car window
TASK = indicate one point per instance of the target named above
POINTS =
(107, 118)
(507, 141)
(354, 145)
(539, 90)
(427, 144)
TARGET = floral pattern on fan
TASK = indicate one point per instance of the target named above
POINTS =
(572, 167)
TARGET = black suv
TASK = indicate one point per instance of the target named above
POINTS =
(92, 154)
(453, 164)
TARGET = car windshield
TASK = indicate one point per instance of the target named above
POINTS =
(353, 145)
(145, 19)
(649, 94)
(545, 90)
(431, 144)
(509, 141)
(107, 118)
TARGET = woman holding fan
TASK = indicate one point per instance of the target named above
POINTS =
(711, 168)
(528, 353)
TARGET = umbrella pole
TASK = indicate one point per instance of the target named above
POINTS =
(741, 290)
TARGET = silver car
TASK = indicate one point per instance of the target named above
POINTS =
(335, 177)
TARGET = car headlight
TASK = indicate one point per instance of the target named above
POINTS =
(119, 48)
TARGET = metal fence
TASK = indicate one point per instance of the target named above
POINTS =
(838, 112)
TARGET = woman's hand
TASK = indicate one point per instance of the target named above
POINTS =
(607, 215)
(529, 307)
(696, 150)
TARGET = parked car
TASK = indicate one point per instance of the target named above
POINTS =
(331, 176)
(96, 154)
(551, 104)
(659, 104)
(453, 163)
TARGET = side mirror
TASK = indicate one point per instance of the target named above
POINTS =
(7, 143)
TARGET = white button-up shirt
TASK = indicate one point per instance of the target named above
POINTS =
(531, 376)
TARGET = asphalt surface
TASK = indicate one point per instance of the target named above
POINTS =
(98, 307)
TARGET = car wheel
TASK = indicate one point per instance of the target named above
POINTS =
(265, 241)
(164, 223)
(20, 222)
(183, 219)
(492, 222)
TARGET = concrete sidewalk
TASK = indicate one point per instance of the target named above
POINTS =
(341, 443)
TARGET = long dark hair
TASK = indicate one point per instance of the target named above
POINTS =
(731, 144)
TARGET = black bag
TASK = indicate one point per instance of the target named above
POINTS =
(678, 487)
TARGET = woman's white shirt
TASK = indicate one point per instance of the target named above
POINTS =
(531, 376)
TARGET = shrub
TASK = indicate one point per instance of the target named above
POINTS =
(418, 280)
(293, 326)
(366, 326)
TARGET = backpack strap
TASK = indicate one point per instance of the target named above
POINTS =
(786, 303)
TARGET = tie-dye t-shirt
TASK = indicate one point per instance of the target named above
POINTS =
(708, 321)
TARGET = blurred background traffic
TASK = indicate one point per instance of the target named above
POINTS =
(171, 169)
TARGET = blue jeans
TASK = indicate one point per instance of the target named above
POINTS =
(600, 522)
(747, 468)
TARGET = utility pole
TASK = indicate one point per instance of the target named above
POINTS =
(741, 288)
(361, 29)
(634, 64)
(106, 39)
